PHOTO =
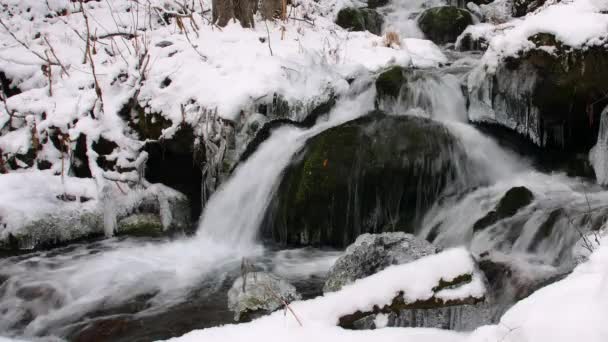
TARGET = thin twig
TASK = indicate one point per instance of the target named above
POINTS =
(268, 34)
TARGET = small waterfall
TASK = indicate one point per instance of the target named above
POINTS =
(105, 275)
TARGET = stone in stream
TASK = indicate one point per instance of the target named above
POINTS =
(371, 253)
(360, 19)
(390, 82)
(513, 200)
(444, 24)
(259, 293)
(373, 174)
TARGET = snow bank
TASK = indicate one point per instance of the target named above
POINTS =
(575, 23)
(320, 316)
(29, 197)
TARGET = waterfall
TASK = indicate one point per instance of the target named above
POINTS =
(90, 277)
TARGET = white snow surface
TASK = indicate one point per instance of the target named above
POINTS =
(30, 196)
(572, 309)
(224, 71)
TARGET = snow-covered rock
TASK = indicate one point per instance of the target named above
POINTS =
(40, 209)
(372, 253)
(544, 75)
(259, 292)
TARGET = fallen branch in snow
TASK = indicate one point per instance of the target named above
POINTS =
(127, 35)
(268, 34)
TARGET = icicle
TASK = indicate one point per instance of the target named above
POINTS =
(598, 156)
(109, 210)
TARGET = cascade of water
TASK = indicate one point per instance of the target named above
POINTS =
(401, 16)
(545, 230)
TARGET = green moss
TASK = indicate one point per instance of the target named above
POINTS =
(444, 24)
(390, 82)
(140, 225)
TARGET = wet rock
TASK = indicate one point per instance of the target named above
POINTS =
(513, 200)
(356, 19)
(522, 7)
(468, 42)
(430, 312)
(511, 280)
(376, 3)
(372, 174)
(390, 82)
(259, 293)
(371, 253)
(444, 24)
(164, 44)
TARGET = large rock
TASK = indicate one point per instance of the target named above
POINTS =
(371, 253)
(552, 94)
(444, 24)
(373, 174)
(360, 19)
(259, 293)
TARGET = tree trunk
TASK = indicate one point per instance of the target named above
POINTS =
(272, 9)
(242, 10)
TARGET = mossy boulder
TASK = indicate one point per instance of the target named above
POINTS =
(444, 24)
(390, 82)
(140, 225)
(360, 19)
(373, 174)
(513, 200)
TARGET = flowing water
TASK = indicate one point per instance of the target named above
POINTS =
(59, 291)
